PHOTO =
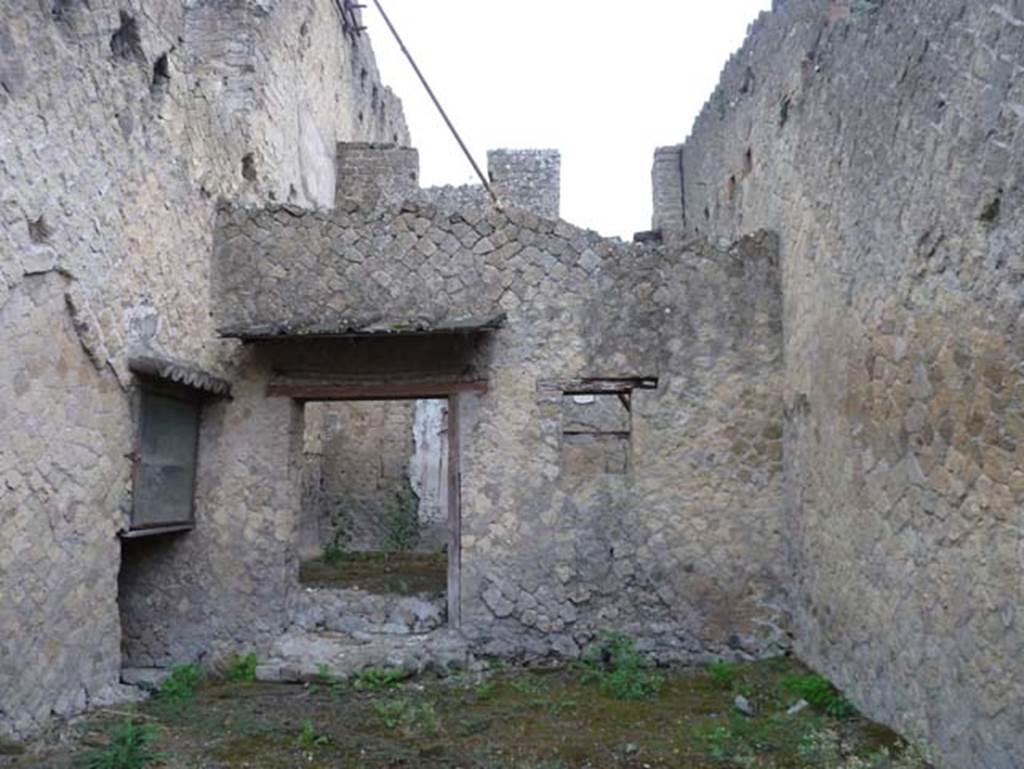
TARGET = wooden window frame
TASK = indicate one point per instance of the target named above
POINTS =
(164, 389)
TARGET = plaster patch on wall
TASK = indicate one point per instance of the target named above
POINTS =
(315, 161)
(428, 465)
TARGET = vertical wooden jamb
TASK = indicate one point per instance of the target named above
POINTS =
(295, 460)
(454, 514)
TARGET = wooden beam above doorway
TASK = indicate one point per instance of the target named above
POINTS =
(380, 390)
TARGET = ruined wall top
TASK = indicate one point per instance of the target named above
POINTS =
(413, 267)
(372, 175)
(527, 179)
(376, 174)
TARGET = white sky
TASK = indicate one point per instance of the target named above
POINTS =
(604, 82)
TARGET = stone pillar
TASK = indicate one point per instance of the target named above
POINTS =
(667, 183)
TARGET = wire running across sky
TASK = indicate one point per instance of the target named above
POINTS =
(605, 87)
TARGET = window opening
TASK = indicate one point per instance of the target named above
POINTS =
(596, 417)
(168, 400)
(165, 461)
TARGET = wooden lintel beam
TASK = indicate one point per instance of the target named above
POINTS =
(372, 391)
(597, 386)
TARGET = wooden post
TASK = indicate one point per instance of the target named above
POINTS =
(454, 514)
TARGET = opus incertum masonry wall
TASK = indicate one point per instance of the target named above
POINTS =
(884, 143)
(670, 531)
(120, 128)
(794, 418)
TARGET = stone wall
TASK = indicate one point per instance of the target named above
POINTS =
(226, 585)
(120, 125)
(372, 174)
(455, 197)
(669, 527)
(526, 179)
(60, 496)
(885, 143)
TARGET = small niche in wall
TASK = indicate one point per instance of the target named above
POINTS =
(597, 423)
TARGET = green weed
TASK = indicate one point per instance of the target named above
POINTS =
(784, 105)
(820, 692)
(619, 670)
(242, 669)
(181, 685)
(558, 708)
(130, 748)
(529, 685)
(335, 686)
(484, 690)
(728, 676)
(744, 739)
(537, 694)
(334, 552)
(723, 673)
(719, 743)
(861, 7)
(720, 102)
(308, 738)
(411, 716)
(825, 749)
(378, 679)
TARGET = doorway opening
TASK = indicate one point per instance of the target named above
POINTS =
(379, 500)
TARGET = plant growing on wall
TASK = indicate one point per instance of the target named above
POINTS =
(242, 668)
(784, 110)
(720, 102)
(401, 523)
(335, 549)
(860, 7)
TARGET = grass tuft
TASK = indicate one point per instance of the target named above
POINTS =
(723, 673)
(130, 748)
(411, 716)
(619, 670)
(308, 738)
(182, 684)
(820, 692)
(242, 669)
(378, 679)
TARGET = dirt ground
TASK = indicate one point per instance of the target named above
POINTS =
(539, 718)
(381, 573)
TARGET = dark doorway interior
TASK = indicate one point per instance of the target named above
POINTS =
(377, 512)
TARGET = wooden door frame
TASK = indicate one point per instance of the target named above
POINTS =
(454, 591)
(327, 391)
